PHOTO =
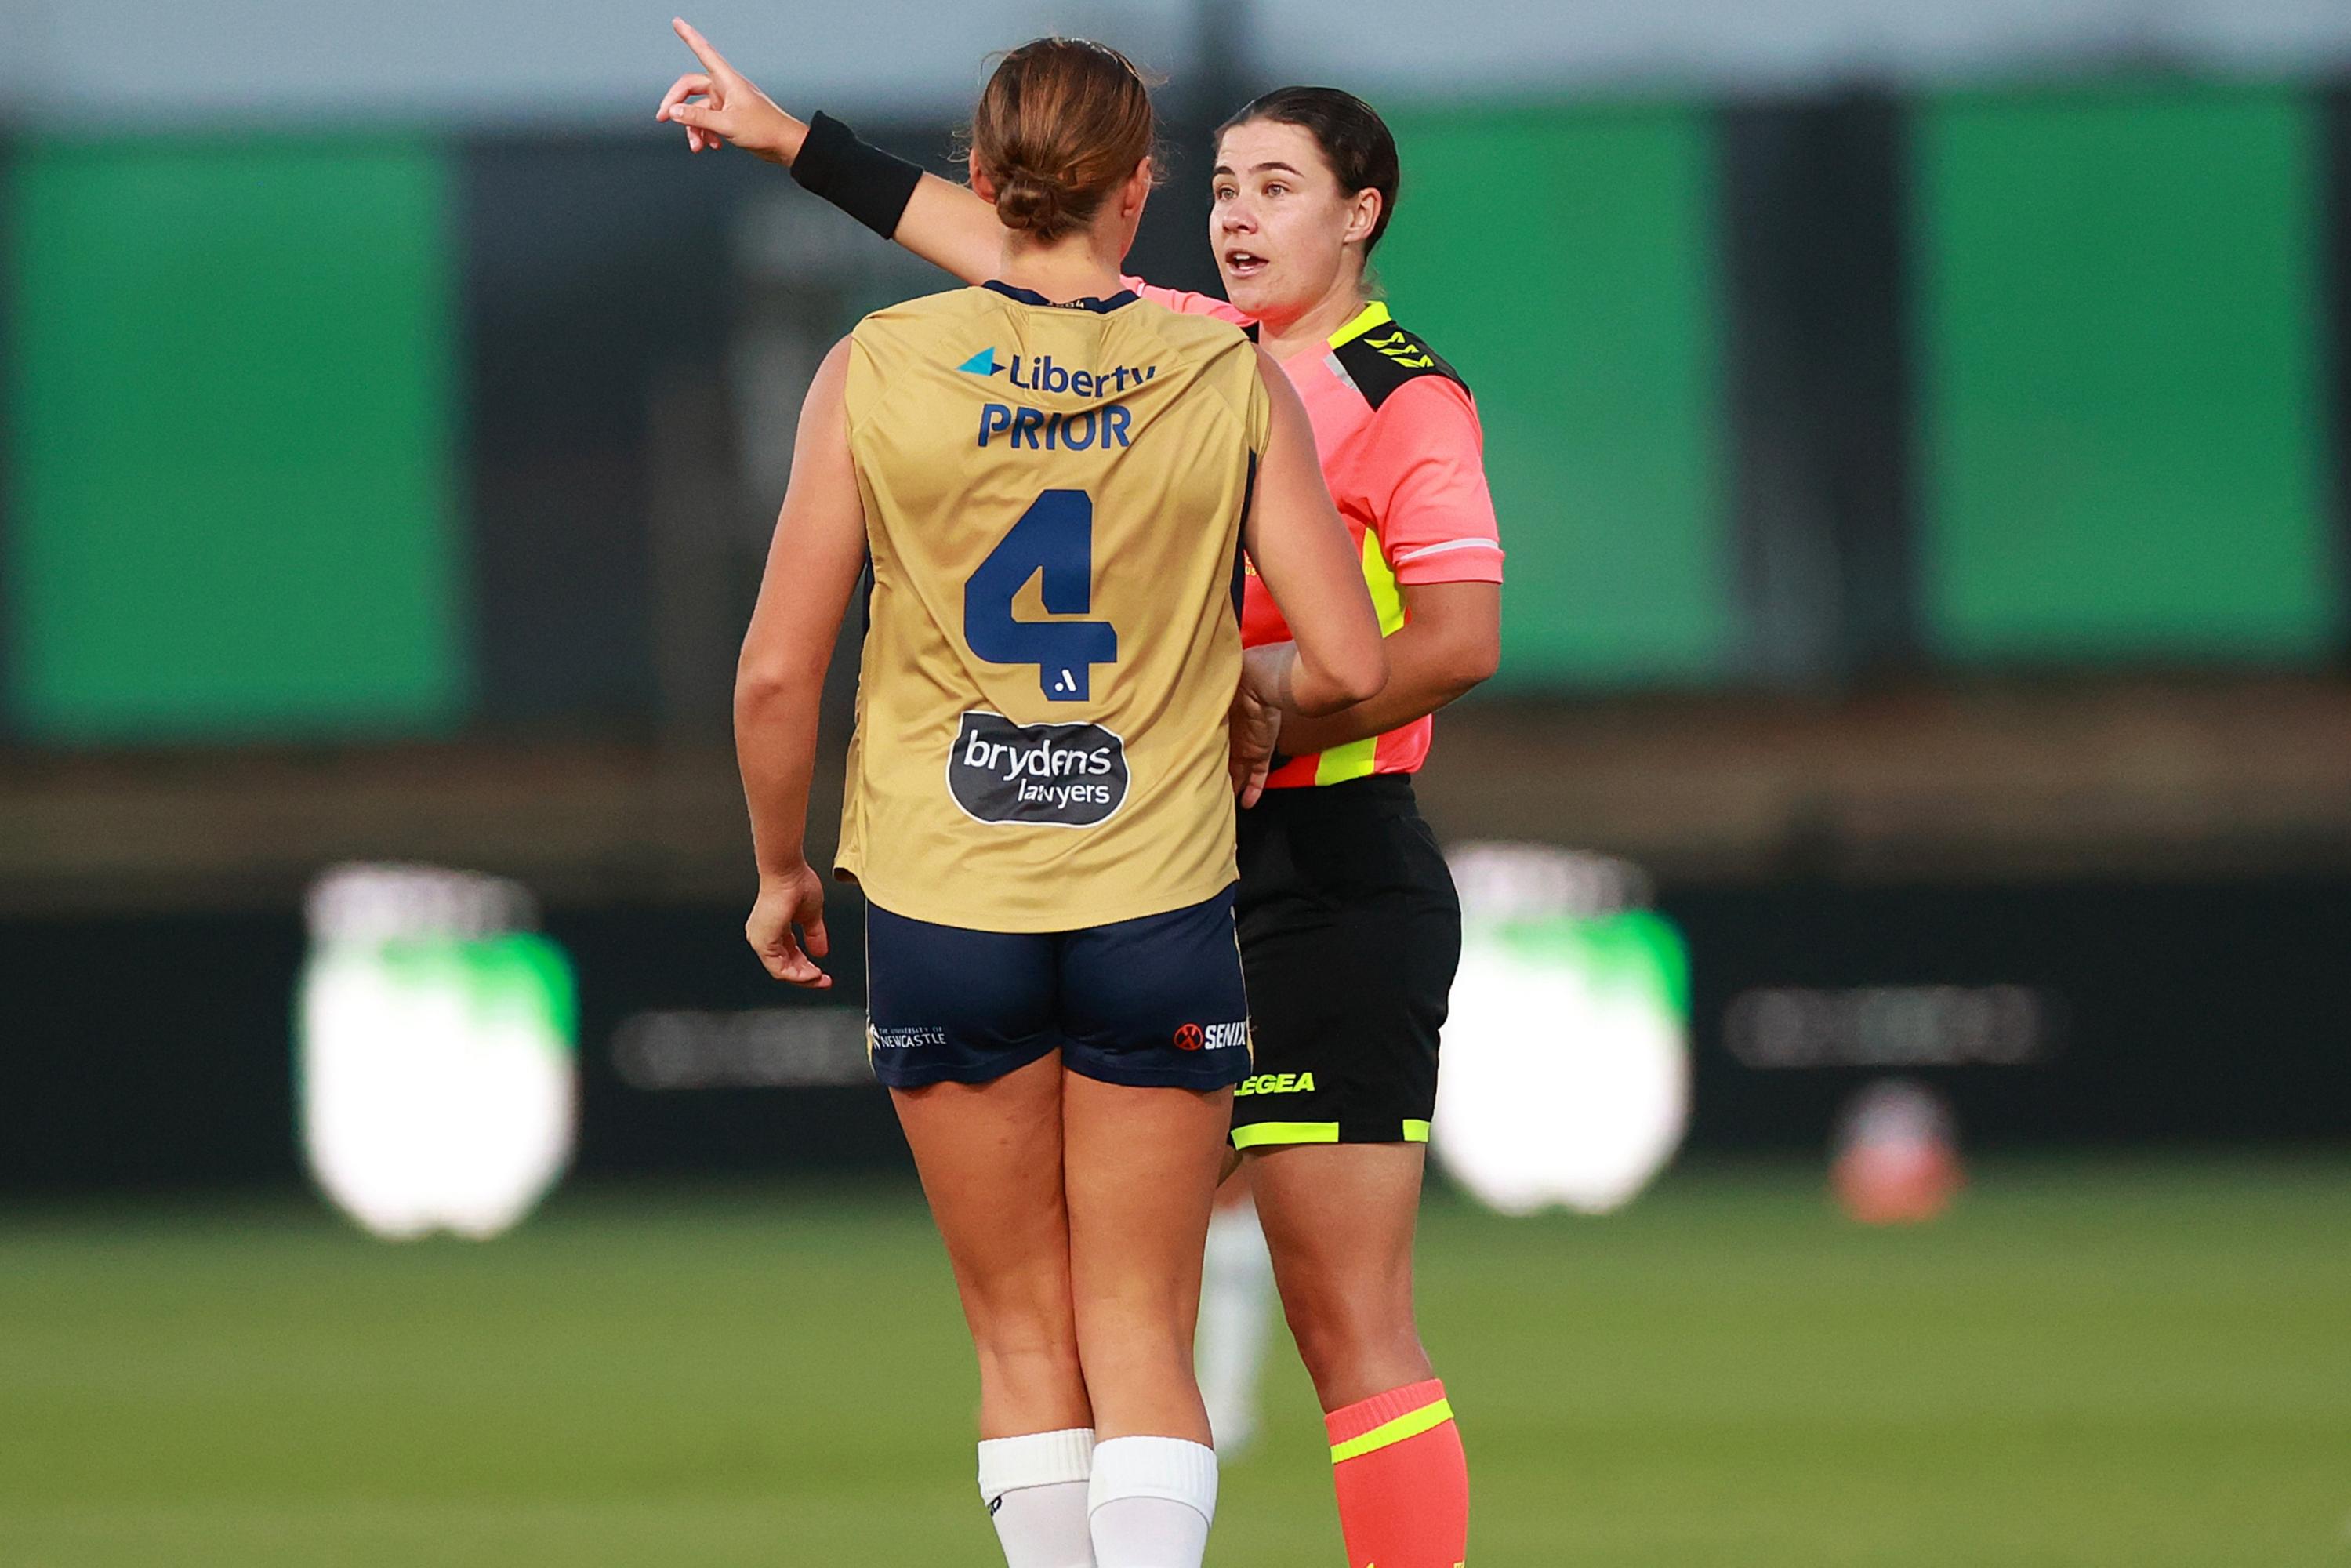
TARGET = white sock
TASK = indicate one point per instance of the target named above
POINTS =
(1151, 1502)
(1035, 1489)
(1236, 1318)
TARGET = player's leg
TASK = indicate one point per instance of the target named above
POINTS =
(990, 1156)
(1154, 1020)
(1351, 951)
(1349, 965)
(1339, 1220)
(1141, 1172)
(950, 1010)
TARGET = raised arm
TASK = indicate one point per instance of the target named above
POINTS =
(942, 221)
(1301, 550)
(813, 563)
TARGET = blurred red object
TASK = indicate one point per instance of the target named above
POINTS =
(1898, 1160)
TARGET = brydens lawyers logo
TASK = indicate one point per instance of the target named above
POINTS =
(1213, 1037)
(1058, 775)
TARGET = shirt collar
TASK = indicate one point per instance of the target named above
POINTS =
(1030, 297)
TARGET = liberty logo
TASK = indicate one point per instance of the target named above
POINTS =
(1043, 373)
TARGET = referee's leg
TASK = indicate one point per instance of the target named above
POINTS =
(1339, 1220)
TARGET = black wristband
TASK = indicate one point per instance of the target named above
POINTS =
(869, 184)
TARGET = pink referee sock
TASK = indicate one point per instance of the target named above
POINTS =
(1402, 1480)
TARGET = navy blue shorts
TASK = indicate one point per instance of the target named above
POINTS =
(1155, 1003)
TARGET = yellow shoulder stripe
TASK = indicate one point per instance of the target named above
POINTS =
(1375, 314)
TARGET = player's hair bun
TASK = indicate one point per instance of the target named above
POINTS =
(1031, 203)
(1061, 124)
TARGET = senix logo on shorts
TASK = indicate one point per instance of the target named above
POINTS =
(1055, 429)
(1047, 775)
(1213, 1036)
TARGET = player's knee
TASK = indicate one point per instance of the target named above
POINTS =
(1029, 1360)
(1022, 1322)
(1134, 1333)
(1029, 1351)
(1339, 1330)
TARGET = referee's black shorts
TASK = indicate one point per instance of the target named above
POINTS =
(1350, 936)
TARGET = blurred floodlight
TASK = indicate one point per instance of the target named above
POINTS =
(438, 1078)
(1566, 1075)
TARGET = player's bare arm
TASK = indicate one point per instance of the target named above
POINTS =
(1450, 642)
(945, 224)
(1301, 550)
(813, 562)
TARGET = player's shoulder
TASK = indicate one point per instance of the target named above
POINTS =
(1185, 331)
(1383, 356)
(924, 310)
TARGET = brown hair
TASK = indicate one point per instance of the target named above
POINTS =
(1060, 125)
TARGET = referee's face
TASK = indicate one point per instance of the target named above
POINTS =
(1278, 222)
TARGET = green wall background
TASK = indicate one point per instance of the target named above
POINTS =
(2119, 345)
(1564, 260)
(236, 402)
(233, 454)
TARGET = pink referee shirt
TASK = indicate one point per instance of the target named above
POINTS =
(1403, 455)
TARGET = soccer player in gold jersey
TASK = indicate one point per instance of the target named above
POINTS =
(1051, 480)
(1350, 929)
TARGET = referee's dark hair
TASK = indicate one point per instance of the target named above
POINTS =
(1354, 139)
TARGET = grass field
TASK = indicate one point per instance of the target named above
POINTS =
(2141, 1365)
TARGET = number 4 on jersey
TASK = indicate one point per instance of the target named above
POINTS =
(1056, 537)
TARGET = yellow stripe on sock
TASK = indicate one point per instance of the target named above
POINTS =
(1258, 1133)
(1411, 1424)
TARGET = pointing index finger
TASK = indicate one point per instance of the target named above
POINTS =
(712, 60)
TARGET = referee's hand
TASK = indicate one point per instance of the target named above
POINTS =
(794, 898)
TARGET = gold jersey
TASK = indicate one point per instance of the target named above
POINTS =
(1053, 499)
